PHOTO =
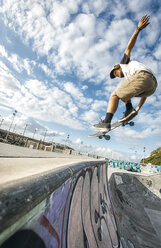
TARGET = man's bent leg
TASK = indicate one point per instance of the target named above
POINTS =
(113, 103)
(130, 111)
(111, 109)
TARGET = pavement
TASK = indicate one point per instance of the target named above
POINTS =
(7, 150)
(18, 163)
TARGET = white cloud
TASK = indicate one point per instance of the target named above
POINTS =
(22, 124)
(47, 71)
(149, 124)
(37, 100)
(9, 85)
(3, 67)
(157, 51)
(150, 120)
(99, 105)
(77, 95)
(36, 88)
(3, 51)
(73, 90)
(84, 87)
(90, 116)
(17, 62)
(54, 105)
(95, 7)
(37, 11)
(75, 37)
(67, 47)
(78, 141)
(109, 153)
(60, 14)
(139, 7)
(82, 43)
(117, 36)
(152, 33)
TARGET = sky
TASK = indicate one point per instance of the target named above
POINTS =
(55, 60)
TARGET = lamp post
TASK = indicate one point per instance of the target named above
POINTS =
(25, 129)
(67, 140)
(144, 153)
(14, 128)
(14, 114)
(35, 132)
(54, 145)
(1, 122)
(45, 134)
(80, 146)
(53, 138)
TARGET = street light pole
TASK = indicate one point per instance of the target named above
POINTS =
(34, 133)
(53, 138)
(80, 146)
(67, 139)
(144, 153)
(25, 129)
(14, 114)
(45, 134)
(53, 143)
(14, 128)
(1, 122)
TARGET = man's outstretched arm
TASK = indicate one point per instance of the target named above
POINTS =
(141, 25)
(142, 101)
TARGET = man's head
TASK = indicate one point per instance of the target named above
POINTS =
(116, 72)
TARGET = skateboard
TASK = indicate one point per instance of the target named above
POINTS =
(103, 134)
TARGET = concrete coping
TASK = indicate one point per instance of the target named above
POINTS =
(19, 198)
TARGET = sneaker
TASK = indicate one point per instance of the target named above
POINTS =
(102, 125)
(129, 114)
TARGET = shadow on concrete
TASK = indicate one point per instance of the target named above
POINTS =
(136, 202)
(26, 237)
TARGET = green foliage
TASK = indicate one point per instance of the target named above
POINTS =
(155, 157)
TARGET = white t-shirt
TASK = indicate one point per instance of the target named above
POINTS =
(132, 67)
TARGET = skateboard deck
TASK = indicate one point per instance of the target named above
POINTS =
(103, 134)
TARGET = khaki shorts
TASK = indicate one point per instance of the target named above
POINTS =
(138, 85)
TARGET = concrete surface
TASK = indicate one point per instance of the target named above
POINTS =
(18, 163)
(52, 196)
(136, 201)
(7, 150)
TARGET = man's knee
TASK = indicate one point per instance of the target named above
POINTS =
(113, 94)
(125, 101)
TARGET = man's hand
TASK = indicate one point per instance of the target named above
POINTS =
(141, 25)
(143, 22)
(137, 109)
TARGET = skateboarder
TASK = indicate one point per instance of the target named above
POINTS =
(139, 82)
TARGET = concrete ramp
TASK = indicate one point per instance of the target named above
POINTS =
(136, 202)
(69, 207)
(79, 205)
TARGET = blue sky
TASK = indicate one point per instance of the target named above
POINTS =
(55, 59)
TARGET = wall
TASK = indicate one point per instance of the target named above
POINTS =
(68, 208)
(74, 207)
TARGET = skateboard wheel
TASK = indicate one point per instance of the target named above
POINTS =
(131, 123)
(100, 137)
(107, 137)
